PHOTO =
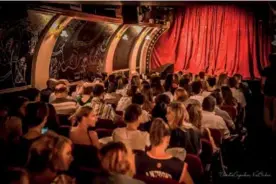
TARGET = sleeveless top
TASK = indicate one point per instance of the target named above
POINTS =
(158, 168)
(186, 138)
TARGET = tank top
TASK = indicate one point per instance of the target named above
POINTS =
(158, 168)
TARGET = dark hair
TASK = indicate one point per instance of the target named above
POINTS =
(212, 81)
(196, 87)
(209, 103)
(160, 108)
(138, 99)
(168, 82)
(162, 98)
(98, 90)
(237, 75)
(32, 93)
(201, 75)
(35, 113)
(227, 95)
(16, 105)
(158, 130)
(183, 82)
(52, 120)
(132, 113)
(232, 81)
(87, 90)
(217, 95)
(132, 91)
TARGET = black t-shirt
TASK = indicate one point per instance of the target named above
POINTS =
(270, 83)
(187, 138)
(158, 168)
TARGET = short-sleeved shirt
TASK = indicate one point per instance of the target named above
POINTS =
(270, 83)
(158, 168)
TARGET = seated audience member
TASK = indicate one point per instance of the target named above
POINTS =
(180, 95)
(157, 162)
(62, 104)
(148, 94)
(15, 175)
(202, 78)
(35, 119)
(122, 86)
(50, 155)
(125, 101)
(242, 86)
(45, 93)
(118, 165)
(160, 108)
(237, 94)
(13, 126)
(80, 133)
(135, 81)
(210, 119)
(218, 111)
(222, 80)
(130, 135)
(99, 108)
(228, 99)
(33, 94)
(184, 134)
(86, 96)
(197, 88)
(52, 120)
(211, 86)
(156, 85)
(139, 99)
(168, 86)
(185, 83)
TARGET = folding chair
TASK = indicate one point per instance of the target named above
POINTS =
(106, 124)
(195, 167)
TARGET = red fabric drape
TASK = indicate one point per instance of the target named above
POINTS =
(214, 39)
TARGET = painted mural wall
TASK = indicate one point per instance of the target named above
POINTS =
(80, 49)
(19, 33)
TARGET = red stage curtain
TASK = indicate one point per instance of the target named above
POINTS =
(214, 39)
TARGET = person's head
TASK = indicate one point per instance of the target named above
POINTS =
(33, 94)
(227, 95)
(212, 81)
(201, 75)
(122, 82)
(18, 107)
(162, 99)
(135, 81)
(195, 114)
(61, 90)
(111, 78)
(132, 90)
(138, 99)
(180, 95)
(159, 133)
(51, 83)
(84, 115)
(147, 92)
(217, 95)
(238, 77)
(16, 176)
(209, 103)
(222, 80)
(133, 114)
(184, 82)
(50, 152)
(36, 115)
(196, 87)
(87, 89)
(176, 115)
(98, 90)
(233, 83)
(117, 158)
(168, 82)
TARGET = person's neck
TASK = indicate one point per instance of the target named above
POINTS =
(46, 176)
(33, 132)
(158, 151)
(83, 126)
(132, 126)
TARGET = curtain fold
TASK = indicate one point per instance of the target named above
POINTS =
(214, 39)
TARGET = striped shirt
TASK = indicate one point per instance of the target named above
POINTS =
(64, 106)
(102, 110)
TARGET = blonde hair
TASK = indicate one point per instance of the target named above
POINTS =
(195, 114)
(117, 158)
(181, 114)
(81, 112)
(158, 130)
(181, 94)
(46, 151)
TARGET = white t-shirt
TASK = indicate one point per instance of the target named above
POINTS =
(135, 139)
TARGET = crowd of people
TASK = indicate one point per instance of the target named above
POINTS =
(157, 123)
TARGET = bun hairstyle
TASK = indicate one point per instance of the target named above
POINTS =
(158, 130)
(115, 158)
(45, 152)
